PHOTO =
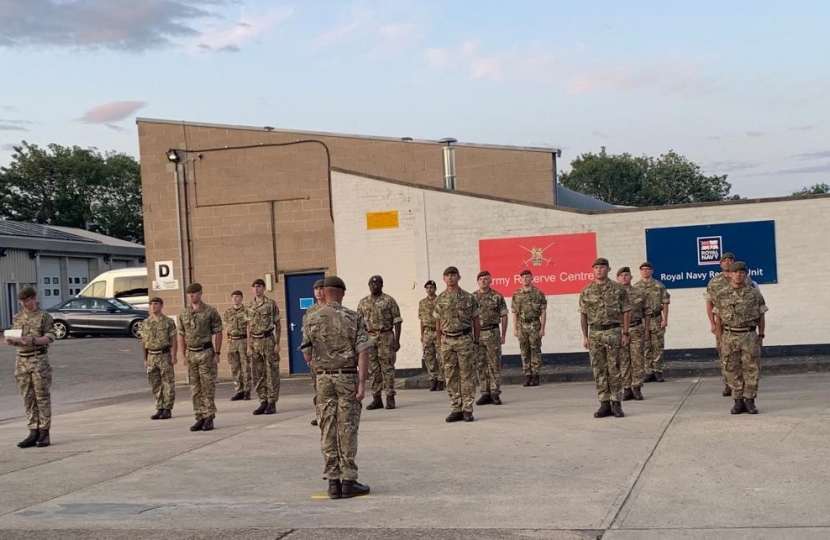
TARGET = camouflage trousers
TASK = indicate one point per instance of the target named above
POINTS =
(240, 364)
(162, 379)
(605, 357)
(488, 366)
(458, 355)
(434, 368)
(266, 369)
(382, 364)
(34, 378)
(632, 359)
(741, 354)
(654, 347)
(201, 372)
(339, 413)
(530, 343)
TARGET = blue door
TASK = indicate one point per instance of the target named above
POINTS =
(299, 296)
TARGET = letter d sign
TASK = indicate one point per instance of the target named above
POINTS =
(164, 271)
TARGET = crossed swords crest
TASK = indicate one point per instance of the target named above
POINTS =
(537, 255)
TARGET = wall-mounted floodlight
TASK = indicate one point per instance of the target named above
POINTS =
(173, 156)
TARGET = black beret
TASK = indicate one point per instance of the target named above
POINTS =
(194, 287)
(318, 284)
(376, 279)
(430, 282)
(156, 299)
(482, 274)
(623, 270)
(258, 281)
(237, 293)
(525, 272)
(450, 270)
(602, 261)
(646, 265)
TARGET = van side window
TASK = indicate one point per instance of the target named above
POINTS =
(126, 287)
(99, 288)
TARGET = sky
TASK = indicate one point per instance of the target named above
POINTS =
(741, 88)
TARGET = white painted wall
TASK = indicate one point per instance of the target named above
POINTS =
(438, 229)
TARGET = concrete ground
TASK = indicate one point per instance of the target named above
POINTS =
(538, 467)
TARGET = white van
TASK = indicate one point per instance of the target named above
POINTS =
(127, 284)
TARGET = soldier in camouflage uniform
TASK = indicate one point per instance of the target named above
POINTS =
(718, 282)
(197, 324)
(426, 307)
(158, 338)
(632, 357)
(31, 367)
(657, 307)
(383, 319)
(529, 306)
(493, 331)
(740, 310)
(604, 309)
(336, 346)
(264, 331)
(458, 329)
(236, 327)
(319, 301)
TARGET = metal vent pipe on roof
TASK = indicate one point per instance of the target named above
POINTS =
(449, 162)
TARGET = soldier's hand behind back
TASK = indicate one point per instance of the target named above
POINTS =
(360, 393)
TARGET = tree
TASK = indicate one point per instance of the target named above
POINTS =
(815, 189)
(625, 180)
(73, 187)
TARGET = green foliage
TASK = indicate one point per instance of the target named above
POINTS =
(815, 189)
(73, 187)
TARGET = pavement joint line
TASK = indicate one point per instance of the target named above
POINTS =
(619, 504)
(68, 455)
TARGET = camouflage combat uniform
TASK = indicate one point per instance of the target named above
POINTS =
(197, 328)
(236, 327)
(456, 311)
(31, 368)
(306, 315)
(493, 308)
(337, 336)
(262, 323)
(528, 307)
(656, 295)
(632, 359)
(157, 337)
(381, 314)
(739, 310)
(604, 305)
(712, 289)
(426, 307)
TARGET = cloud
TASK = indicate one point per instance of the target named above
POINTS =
(126, 25)
(229, 38)
(344, 32)
(452, 58)
(808, 127)
(754, 134)
(8, 147)
(812, 155)
(8, 108)
(731, 166)
(824, 168)
(385, 28)
(112, 112)
(12, 127)
(600, 134)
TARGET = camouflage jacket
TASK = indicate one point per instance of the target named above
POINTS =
(236, 321)
(715, 284)
(380, 312)
(34, 324)
(739, 307)
(311, 310)
(426, 308)
(492, 305)
(262, 316)
(656, 295)
(337, 335)
(604, 303)
(528, 305)
(456, 310)
(157, 334)
(198, 326)
(638, 300)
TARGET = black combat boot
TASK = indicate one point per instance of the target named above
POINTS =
(352, 488)
(628, 394)
(198, 425)
(377, 403)
(441, 385)
(237, 396)
(528, 379)
(433, 385)
(43, 439)
(649, 378)
(166, 414)
(29, 441)
(616, 409)
(314, 422)
(261, 409)
(390, 402)
(208, 425)
(727, 391)
(534, 380)
(485, 399)
(604, 410)
(739, 407)
(335, 489)
(468, 416)
(638, 394)
(455, 417)
(658, 376)
(157, 415)
(271, 409)
(749, 404)
(247, 396)
(496, 399)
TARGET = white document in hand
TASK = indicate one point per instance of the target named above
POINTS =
(13, 333)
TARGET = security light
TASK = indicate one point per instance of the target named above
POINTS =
(173, 156)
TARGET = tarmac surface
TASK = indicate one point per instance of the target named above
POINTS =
(538, 467)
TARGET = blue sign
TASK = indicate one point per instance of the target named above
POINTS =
(306, 303)
(687, 257)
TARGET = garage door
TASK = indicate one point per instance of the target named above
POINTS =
(49, 282)
(78, 275)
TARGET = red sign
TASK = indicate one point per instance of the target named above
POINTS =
(561, 264)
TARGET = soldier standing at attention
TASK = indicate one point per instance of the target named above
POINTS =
(604, 309)
(718, 282)
(426, 307)
(236, 326)
(493, 330)
(658, 307)
(631, 357)
(264, 333)
(31, 366)
(457, 326)
(158, 336)
(319, 301)
(383, 319)
(336, 346)
(740, 309)
(529, 306)
(200, 322)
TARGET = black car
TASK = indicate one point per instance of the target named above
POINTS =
(85, 316)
